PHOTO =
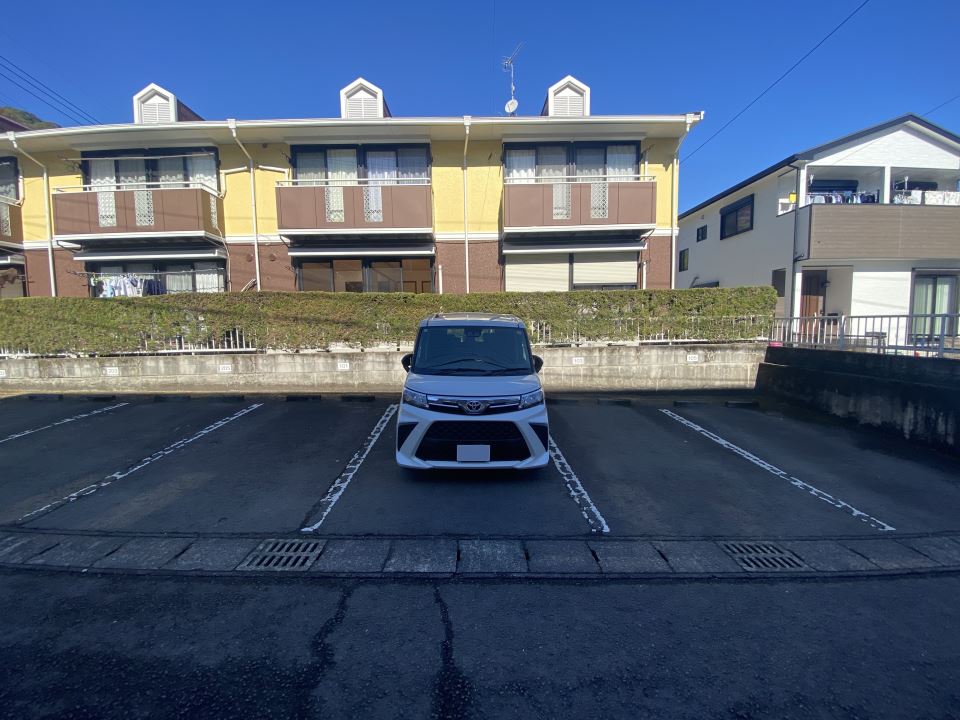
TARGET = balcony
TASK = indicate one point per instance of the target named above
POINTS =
(880, 231)
(180, 210)
(322, 207)
(576, 204)
(11, 223)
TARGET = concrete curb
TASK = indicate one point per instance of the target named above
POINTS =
(588, 557)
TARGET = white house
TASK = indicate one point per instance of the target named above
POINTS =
(868, 224)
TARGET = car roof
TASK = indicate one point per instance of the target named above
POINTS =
(472, 318)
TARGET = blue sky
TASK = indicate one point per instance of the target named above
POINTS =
(250, 59)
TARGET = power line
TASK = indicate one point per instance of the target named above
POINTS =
(777, 81)
(47, 90)
(943, 104)
(45, 102)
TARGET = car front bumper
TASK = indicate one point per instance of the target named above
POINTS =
(416, 424)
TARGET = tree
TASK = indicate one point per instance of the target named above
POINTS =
(26, 118)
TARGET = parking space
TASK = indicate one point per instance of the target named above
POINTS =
(638, 467)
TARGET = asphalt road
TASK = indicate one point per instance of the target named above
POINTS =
(208, 471)
(126, 647)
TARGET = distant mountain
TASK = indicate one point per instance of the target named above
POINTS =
(26, 118)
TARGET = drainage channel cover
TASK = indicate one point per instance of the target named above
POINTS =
(279, 555)
(763, 557)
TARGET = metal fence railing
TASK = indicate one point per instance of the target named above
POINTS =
(918, 335)
(650, 330)
(231, 341)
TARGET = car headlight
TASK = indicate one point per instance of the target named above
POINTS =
(531, 399)
(412, 397)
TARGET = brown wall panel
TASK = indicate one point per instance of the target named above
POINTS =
(658, 256)
(276, 273)
(404, 206)
(883, 231)
(531, 205)
(174, 210)
(38, 274)
(485, 270)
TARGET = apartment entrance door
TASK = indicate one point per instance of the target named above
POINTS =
(813, 292)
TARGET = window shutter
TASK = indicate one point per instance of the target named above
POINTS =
(155, 110)
(567, 102)
(612, 268)
(363, 104)
(537, 273)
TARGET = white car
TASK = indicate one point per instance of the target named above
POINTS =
(472, 397)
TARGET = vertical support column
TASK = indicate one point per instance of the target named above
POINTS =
(885, 189)
(802, 187)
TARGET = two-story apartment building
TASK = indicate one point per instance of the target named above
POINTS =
(865, 225)
(361, 202)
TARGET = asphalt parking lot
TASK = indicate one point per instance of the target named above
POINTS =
(652, 468)
(611, 583)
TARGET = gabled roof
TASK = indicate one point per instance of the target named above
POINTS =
(812, 152)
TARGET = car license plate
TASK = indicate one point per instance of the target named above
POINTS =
(473, 453)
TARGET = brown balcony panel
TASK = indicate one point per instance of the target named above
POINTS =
(16, 225)
(883, 231)
(175, 210)
(531, 205)
(405, 207)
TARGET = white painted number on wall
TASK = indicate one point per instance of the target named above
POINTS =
(225, 368)
(343, 365)
(111, 371)
(577, 361)
(693, 357)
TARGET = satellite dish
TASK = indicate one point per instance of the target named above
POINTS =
(511, 106)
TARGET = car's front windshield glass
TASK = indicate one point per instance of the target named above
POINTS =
(472, 350)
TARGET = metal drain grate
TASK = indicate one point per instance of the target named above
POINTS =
(763, 557)
(279, 555)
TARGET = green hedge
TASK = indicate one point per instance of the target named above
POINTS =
(294, 321)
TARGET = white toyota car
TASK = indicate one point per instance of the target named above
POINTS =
(472, 397)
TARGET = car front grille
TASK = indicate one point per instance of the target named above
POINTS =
(456, 406)
(504, 438)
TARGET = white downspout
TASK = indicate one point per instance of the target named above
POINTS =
(466, 234)
(673, 197)
(12, 136)
(232, 124)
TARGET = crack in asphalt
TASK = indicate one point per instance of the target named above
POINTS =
(452, 692)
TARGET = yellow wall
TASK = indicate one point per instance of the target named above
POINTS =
(485, 186)
(62, 173)
(659, 153)
(236, 201)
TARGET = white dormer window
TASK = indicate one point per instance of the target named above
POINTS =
(153, 105)
(361, 99)
(568, 98)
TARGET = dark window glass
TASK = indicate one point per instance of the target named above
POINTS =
(9, 182)
(316, 276)
(701, 233)
(736, 218)
(684, 260)
(472, 350)
(779, 281)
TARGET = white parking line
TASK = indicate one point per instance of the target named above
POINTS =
(580, 496)
(63, 422)
(110, 479)
(773, 470)
(340, 484)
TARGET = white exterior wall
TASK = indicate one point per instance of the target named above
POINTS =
(896, 147)
(881, 292)
(745, 259)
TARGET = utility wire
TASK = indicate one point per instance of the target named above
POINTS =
(47, 90)
(943, 104)
(777, 81)
(63, 112)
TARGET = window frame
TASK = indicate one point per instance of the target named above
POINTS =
(702, 236)
(16, 175)
(159, 266)
(571, 153)
(683, 260)
(365, 269)
(150, 157)
(362, 150)
(736, 207)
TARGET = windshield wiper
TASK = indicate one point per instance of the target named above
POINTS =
(449, 371)
(510, 371)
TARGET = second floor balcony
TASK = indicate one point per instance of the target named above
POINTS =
(355, 207)
(578, 203)
(157, 209)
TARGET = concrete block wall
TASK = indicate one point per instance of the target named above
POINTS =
(645, 368)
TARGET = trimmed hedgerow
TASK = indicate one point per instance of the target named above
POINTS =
(315, 320)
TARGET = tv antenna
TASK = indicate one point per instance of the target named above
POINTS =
(511, 107)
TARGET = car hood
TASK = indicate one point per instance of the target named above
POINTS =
(466, 386)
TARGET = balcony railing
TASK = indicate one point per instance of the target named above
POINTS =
(917, 335)
(11, 221)
(577, 201)
(925, 197)
(403, 205)
(172, 208)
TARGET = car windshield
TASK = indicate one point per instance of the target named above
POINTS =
(472, 350)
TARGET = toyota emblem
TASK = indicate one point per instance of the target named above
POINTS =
(474, 407)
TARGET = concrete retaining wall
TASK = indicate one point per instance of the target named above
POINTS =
(660, 367)
(919, 398)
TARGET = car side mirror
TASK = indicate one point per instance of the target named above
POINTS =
(406, 361)
(537, 363)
